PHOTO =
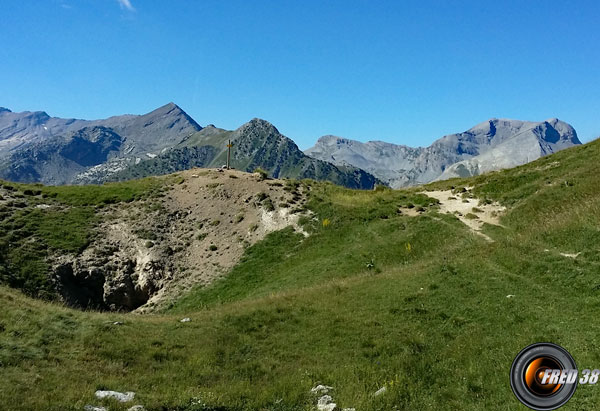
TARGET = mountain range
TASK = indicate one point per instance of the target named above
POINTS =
(35, 147)
(491, 145)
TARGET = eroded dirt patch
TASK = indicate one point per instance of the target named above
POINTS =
(470, 210)
(147, 253)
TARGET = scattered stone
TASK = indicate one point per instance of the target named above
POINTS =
(119, 396)
(380, 391)
(348, 409)
(117, 323)
(570, 255)
(321, 389)
(136, 408)
(185, 320)
(325, 403)
(94, 408)
(510, 296)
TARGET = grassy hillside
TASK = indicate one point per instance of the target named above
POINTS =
(372, 298)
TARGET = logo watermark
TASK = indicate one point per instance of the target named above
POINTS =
(544, 376)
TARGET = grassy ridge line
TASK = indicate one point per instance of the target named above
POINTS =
(91, 195)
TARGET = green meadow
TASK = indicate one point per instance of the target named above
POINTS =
(372, 298)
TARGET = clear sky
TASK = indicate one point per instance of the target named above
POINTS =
(406, 72)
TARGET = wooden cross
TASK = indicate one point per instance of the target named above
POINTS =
(229, 153)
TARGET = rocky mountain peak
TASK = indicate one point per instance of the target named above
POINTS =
(39, 116)
(258, 125)
(4, 109)
(173, 110)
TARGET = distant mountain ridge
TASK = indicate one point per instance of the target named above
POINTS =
(35, 147)
(257, 143)
(491, 145)
(149, 132)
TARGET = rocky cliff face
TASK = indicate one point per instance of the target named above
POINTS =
(532, 141)
(491, 145)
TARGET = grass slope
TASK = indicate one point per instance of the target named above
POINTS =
(372, 298)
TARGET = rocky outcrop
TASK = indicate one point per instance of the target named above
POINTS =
(115, 276)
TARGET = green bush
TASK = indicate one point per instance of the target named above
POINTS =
(268, 204)
(261, 196)
(262, 174)
(145, 234)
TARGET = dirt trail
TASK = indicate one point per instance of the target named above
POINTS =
(468, 209)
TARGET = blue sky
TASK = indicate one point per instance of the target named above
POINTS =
(406, 72)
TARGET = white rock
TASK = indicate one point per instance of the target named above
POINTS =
(117, 323)
(380, 391)
(510, 296)
(348, 409)
(185, 320)
(136, 408)
(325, 404)
(570, 255)
(94, 408)
(321, 389)
(119, 396)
